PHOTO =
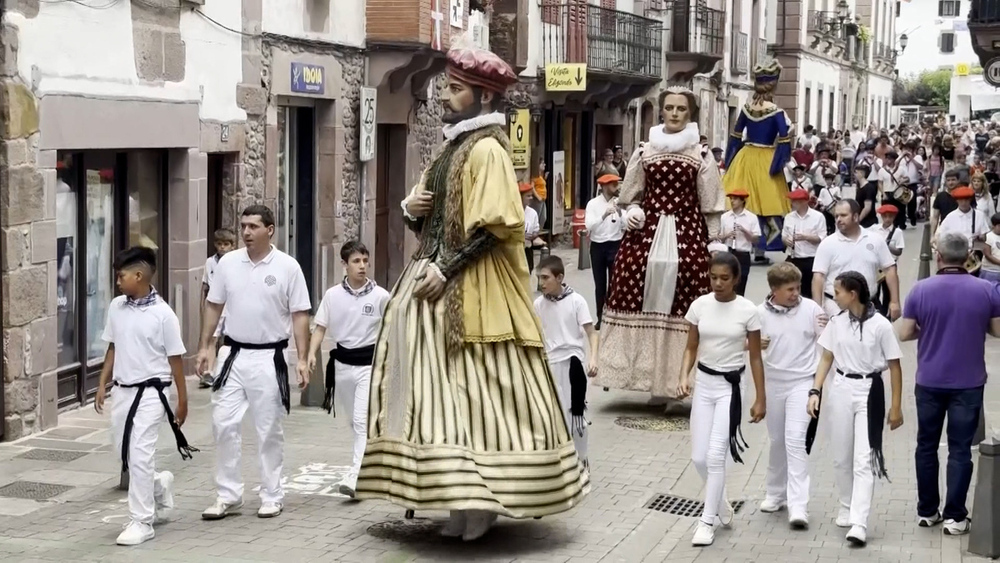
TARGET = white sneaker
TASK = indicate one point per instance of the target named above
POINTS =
(456, 525)
(929, 521)
(726, 514)
(221, 509)
(798, 521)
(858, 536)
(957, 527)
(770, 506)
(478, 522)
(844, 518)
(703, 535)
(163, 494)
(269, 510)
(135, 533)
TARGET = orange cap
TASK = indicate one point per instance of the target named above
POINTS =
(963, 192)
(798, 195)
(887, 208)
(738, 192)
(608, 179)
(524, 187)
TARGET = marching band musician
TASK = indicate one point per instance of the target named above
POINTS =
(605, 229)
(804, 229)
(893, 236)
(799, 179)
(966, 220)
(740, 232)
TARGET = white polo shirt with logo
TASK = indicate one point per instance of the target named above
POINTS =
(352, 318)
(735, 239)
(866, 255)
(144, 338)
(259, 298)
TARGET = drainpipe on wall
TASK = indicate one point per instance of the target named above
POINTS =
(363, 166)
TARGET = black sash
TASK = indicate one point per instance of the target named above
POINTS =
(735, 409)
(363, 356)
(280, 367)
(577, 395)
(159, 385)
(876, 419)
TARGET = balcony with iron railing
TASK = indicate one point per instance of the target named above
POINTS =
(984, 12)
(695, 30)
(821, 22)
(610, 42)
(741, 53)
(984, 29)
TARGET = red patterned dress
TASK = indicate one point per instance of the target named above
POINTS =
(642, 348)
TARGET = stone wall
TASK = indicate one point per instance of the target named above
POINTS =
(426, 128)
(27, 244)
(156, 32)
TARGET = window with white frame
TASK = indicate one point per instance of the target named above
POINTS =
(949, 8)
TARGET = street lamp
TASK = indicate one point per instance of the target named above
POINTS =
(842, 10)
(903, 40)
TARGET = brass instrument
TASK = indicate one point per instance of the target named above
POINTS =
(975, 260)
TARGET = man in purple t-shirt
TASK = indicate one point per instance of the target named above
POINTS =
(949, 315)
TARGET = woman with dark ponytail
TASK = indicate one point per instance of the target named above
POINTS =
(722, 325)
(862, 345)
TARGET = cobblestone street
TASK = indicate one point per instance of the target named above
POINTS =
(84, 512)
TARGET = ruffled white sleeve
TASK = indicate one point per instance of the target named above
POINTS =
(634, 184)
(711, 196)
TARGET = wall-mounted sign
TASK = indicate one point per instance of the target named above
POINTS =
(367, 141)
(558, 175)
(457, 15)
(991, 72)
(566, 77)
(308, 79)
(962, 69)
(520, 139)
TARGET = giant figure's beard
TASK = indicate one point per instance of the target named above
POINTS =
(454, 117)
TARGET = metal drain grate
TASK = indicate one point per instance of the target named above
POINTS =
(406, 531)
(51, 455)
(654, 423)
(32, 491)
(679, 506)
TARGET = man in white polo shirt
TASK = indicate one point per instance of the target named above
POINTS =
(265, 297)
(803, 230)
(852, 248)
(605, 229)
(740, 231)
(967, 221)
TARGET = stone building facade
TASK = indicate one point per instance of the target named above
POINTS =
(156, 123)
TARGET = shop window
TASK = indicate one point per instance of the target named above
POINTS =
(105, 201)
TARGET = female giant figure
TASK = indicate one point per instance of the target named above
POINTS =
(756, 164)
(674, 198)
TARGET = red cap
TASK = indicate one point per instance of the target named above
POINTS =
(798, 195)
(478, 67)
(524, 187)
(886, 208)
(963, 192)
(738, 192)
(608, 178)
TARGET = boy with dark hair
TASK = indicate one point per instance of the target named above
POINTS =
(144, 350)
(568, 331)
(225, 241)
(352, 312)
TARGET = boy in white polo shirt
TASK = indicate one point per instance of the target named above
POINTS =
(790, 326)
(225, 241)
(352, 312)
(144, 351)
(568, 330)
(740, 231)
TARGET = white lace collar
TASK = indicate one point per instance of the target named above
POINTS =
(473, 123)
(662, 142)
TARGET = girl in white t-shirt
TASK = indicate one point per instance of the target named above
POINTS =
(991, 253)
(723, 325)
(790, 325)
(863, 345)
(568, 330)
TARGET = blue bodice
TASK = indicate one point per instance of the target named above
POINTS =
(769, 130)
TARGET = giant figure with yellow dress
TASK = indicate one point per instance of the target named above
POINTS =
(760, 145)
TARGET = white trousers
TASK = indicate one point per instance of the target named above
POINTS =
(560, 375)
(143, 487)
(251, 384)
(787, 422)
(710, 438)
(846, 406)
(352, 396)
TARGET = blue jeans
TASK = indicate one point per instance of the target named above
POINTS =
(963, 408)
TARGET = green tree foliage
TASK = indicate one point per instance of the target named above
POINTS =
(929, 88)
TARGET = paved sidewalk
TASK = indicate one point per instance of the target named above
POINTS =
(630, 467)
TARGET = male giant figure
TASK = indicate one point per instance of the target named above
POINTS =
(464, 415)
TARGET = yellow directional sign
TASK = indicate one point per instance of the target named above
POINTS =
(566, 77)
(520, 139)
(962, 69)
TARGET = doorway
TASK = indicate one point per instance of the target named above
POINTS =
(216, 192)
(296, 213)
(390, 189)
